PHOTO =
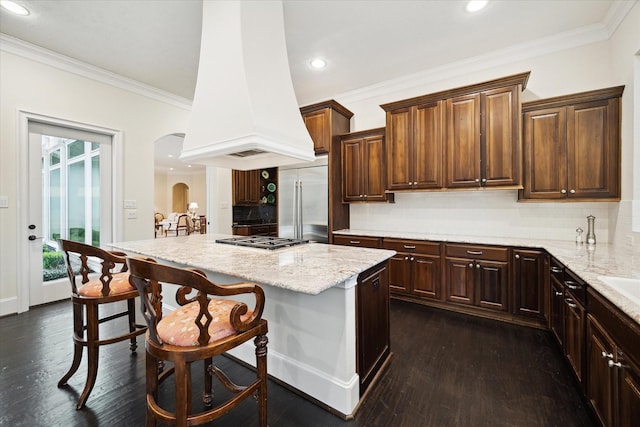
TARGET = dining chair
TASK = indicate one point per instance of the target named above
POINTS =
(205, 324)
(100, 285)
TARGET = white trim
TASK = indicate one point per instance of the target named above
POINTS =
(22, 203)
(45, 56)
(8, 306)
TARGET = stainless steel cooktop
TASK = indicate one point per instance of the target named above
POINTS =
(262, 242)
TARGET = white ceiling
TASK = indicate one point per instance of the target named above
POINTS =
(157, 42)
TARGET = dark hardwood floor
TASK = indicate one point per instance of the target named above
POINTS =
(447, 370)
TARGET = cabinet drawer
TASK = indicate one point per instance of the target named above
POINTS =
(359, 241)
(491, 253)
(575, 286)
(412, 246)
(556, 269)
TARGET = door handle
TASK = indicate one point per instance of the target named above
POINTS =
(32, 237)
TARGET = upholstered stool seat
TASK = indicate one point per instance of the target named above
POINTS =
(201, 327)
(100, 285)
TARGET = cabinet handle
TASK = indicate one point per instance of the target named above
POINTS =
(572, 191)
(516, 256)
(570, 303)
(412, 258)
(477, 265)
(556, 270)
(563, 191)
(474, 252)
(484, 179)
(571, 285)
(606, 355)
(558, 294)
(354, 242)
(471, 264)
(362, 195)
(477, 179)
(406, 258)
(614, 364)
(409, 247)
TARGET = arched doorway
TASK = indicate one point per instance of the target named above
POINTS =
(180, 197)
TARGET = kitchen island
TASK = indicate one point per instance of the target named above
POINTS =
(318, 302)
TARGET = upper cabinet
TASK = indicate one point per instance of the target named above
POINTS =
(572, 147)
(363, 166)
(414, 147)
(246, 187)
(464, 137)
(325, 120)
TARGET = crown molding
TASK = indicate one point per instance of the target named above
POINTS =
(45, 56)
(582, 36)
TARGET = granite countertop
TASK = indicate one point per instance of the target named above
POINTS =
(309, 268)
(588, 263)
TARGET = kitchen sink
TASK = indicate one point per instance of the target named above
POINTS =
(627, 287)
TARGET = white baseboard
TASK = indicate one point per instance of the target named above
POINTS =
(339, 395)
(8, 306)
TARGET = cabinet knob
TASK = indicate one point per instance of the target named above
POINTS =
(614, 364)
(406, 258)
(471, 264)
(563, 191)
(362, 195)
(572, 191)
(484, 179)
(477, 265)
(477, 179)
(558, 294)
(516, 256)
(606, 355)
(412, 258)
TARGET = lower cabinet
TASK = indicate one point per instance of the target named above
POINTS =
(477, 276)
(530, 274)
(372, 296)
(574, 323)
(613, 353)
(556, 300)
(415, 269)
(256, 230)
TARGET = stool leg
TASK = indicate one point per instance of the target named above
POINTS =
(183, 392)
(261, 370)
(131, 309)
(92, 350)
(207, 395)
(77, 347)
(152, 388)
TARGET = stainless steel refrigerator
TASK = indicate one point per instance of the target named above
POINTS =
(303, 205)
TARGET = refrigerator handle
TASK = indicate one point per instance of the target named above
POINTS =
(295, 209)
(300, 219)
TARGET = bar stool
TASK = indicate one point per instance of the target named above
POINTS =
(109, 287)
(201, 328)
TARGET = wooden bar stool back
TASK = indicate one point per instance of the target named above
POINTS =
(203, 326)
(99, 285)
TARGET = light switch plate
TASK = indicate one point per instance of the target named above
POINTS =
(130, 204)
(4, 201)
(132, 214)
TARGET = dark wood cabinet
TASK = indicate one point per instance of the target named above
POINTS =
(613, 372)
(466, 137)
(483, 138)
(556, 300)
(246, 187)
(373, 341)
(256, 230)
(477, 275)
(574, 322)
(530, 273)
(414, 147)
(572, 147)
(363, 166)
(326, 121)
(415, 269)
(357, 241)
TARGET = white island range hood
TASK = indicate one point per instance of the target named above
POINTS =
(245, 114)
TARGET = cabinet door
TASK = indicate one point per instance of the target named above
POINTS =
(600, 384)
(593, 149)
(556, 306)
(246, 187)
(459, 280)
(545, 166)
(529, 275)
(374, 170)
(319, 126)
(491, 285)
(399, 273)
(426, 275)
(373, 324)
(463, 141)
(629, 395)
(500, 140)
(398, 153)
(427, 146)
(352, 170)
(574, 320)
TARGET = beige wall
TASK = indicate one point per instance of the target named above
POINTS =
(37, 88)
(164, 183)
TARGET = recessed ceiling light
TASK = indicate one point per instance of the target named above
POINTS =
(318, 63)
(170, 155)
(188, 166)
(476, 5)
(14, 7)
